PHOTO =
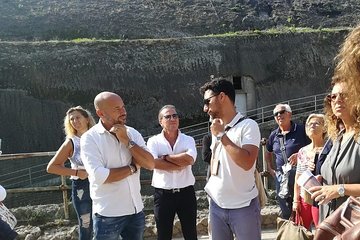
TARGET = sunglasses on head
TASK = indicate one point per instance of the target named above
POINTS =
(174, 116)
(279, 112)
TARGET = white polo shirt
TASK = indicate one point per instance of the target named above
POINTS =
(159, 146)
(101, 151)
(234, 187)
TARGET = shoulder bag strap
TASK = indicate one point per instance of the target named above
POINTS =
(229, 127)
(282, 148)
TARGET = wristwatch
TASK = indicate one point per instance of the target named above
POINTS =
(132, 169)
(220, 136)
(341, 190)
(131, 144)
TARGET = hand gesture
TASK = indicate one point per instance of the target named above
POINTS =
(217, 126)
(120, 131)
(293, 159)
(82, 174)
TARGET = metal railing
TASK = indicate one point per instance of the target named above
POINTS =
(37, 173)
(36, 179)
(264, 115)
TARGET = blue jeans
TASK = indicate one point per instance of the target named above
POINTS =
(83, 207)
(244, 223)
(286, 204)
(130, 227)
(6, 233)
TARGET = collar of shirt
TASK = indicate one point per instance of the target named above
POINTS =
(292, 129)
(233, 121)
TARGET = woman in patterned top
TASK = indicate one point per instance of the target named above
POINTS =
(307, 158)
(76, 122)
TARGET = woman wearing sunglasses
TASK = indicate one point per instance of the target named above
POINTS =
(340, 171)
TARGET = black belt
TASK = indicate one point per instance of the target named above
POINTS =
(175, 190)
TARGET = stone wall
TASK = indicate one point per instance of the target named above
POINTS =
(40, 80)
(47, 221)
(134, 19)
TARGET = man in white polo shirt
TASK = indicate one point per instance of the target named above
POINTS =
(173, 180)
(113, 153)
(234, 205)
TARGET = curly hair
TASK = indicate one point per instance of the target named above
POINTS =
(335, 124)
(348, 62)
(68, 128)
(347, 70)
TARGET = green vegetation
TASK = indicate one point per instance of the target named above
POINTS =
(282, 30)
(255, 32)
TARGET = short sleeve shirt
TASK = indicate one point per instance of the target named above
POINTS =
(294, 140)
(234, 187)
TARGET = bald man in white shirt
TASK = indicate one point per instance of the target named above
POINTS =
(113, 153)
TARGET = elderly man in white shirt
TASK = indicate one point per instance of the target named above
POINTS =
(113, 153)
(234, 204)
(173, 180)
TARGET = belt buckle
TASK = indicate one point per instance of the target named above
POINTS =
(175, 190)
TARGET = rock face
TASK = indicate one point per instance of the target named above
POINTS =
(46, 222)
(41, 75)
(40, 80)
(135, 19)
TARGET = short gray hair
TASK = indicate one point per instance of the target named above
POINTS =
(283, 105)
(165, 107)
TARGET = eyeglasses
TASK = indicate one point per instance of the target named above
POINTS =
(174, 116)
(207, 100)
(333, 96)
(316, 124)
(279, 112)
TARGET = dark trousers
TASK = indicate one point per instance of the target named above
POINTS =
(167, 203)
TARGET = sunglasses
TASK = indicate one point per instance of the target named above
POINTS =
(333, 96)
(279, 112)
(316, 124)
(174, 116)
(207, 100)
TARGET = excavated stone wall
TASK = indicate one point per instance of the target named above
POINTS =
(40, 80)
(134, 19)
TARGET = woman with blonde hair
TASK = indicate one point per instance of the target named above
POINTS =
(308, 157)
(76, 122)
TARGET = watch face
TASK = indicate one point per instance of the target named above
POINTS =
(341, 191)
(131, 144)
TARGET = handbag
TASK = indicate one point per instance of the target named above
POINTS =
(350, 234)
(288, 229)
(7, 216)
(344, 218)
(260, 186)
